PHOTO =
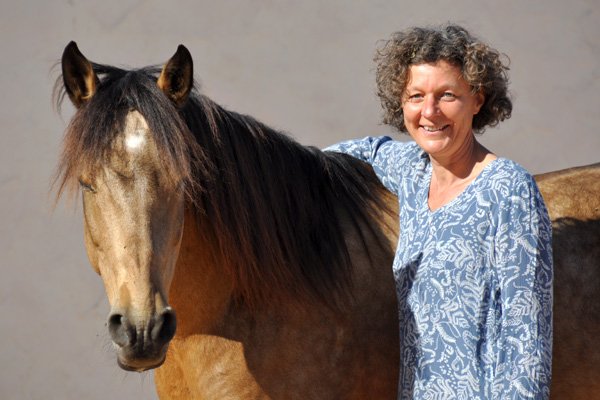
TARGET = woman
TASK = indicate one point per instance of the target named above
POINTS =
(473, 266)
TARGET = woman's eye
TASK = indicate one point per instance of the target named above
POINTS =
(448, 95)
(415, 97)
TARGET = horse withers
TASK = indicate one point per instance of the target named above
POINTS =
(236, 262)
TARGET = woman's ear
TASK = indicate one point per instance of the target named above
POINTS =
(479, 100)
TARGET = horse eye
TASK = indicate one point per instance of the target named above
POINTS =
(87, 187)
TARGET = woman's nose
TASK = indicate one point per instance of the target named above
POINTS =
(430, 107)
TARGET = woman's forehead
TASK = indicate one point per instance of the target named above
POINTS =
(440, 73)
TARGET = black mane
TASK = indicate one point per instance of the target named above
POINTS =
(273, 204)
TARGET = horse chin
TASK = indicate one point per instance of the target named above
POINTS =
(139, 363)
(139, 367)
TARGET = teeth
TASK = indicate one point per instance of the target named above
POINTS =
(433, 128)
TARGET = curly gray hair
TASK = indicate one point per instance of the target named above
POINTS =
(481, 65)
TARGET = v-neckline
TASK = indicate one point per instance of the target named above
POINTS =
(464, 193)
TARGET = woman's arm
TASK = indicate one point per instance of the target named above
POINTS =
(524, 266)
(382, 153)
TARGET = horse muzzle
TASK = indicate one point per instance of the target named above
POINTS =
(141, 342)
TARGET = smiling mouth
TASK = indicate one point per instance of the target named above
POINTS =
(434, 128)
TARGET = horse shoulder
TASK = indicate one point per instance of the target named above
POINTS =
(374, 312)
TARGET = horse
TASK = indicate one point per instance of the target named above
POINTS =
(241, 264)
(572, 197)
(238, 263)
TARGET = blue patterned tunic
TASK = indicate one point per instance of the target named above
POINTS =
(473, 279)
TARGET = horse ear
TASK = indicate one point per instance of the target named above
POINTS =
(177, 77)
(78, 75)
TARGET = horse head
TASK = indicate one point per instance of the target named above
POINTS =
(133, 210)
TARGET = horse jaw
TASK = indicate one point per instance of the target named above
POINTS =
(133, 223)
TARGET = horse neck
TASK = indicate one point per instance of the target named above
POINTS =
(249, 199)
(270, 208)
(200, 292)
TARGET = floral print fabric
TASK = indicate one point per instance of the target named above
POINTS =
(473, 279)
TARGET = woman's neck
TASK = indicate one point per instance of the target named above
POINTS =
(451, 176)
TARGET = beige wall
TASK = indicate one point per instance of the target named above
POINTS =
(304, 67)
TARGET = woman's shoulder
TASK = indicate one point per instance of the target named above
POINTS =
(507, 181)
(396, 148)
(508, 172)
(407, 151)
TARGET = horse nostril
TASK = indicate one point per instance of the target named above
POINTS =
(117, 331)
(159, 330)
(166, 326)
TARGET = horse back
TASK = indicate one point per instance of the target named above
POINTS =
(573, 200)
(572, 193)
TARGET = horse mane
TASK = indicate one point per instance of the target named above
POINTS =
(274, 205)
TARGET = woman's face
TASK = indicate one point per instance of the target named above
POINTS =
(438, 110)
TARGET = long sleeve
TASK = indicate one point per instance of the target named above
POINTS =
(382, 153)
(524, 267)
